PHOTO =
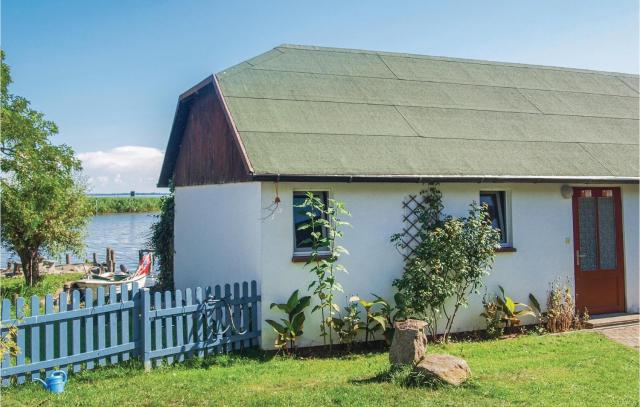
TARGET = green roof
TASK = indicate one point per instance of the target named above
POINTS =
(335, 112)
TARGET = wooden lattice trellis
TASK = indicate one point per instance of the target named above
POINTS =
(411, 227)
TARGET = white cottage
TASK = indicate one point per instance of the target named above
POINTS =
(554, 151)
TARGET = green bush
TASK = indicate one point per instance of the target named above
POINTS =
(452, 257)
(161, 242)
(49, 284)
(493, 317)
(289, 329)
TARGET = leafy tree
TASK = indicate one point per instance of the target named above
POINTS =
(450, 261)
(162, 241)
(44, 204)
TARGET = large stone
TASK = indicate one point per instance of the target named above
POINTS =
(449, 369)
(409, 343)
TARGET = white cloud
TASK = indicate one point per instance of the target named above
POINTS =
(122, 169)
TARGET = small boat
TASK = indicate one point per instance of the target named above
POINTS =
(109, 279)
(109, 276)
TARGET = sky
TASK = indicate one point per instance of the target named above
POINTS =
(109, 72)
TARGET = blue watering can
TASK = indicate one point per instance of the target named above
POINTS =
(54, 383)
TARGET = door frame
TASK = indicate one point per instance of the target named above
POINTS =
(617, 205)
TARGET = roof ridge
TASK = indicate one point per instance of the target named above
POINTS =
(454, 59)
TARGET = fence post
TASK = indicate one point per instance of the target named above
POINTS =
(255, 321)
(6, 316)
(136, 297)
(145, 324)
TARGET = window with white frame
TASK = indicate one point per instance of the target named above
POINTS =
(498, 212)
(302, 238)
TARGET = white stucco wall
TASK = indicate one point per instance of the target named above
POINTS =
(630, 221)
(230, 233)
(542, 233)
(217, 234)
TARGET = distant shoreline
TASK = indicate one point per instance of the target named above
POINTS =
(117, 204)
(126, 194)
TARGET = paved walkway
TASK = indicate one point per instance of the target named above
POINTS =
(628, 334)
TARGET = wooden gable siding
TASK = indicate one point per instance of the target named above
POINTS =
(208, 153)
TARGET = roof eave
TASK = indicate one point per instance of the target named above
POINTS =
(173, 145)
(445, 178)
(232, 124)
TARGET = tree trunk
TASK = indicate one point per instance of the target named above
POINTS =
(30, 267)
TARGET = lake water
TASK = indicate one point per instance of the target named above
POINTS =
(125, 233)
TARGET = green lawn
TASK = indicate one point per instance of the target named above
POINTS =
(573, 369)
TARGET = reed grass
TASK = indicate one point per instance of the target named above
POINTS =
(105, 205)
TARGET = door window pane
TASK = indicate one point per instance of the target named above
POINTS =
(606, 233)
(587, 220)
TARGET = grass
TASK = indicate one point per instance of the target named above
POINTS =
(103, 205)
(49, 284)
(573, 369)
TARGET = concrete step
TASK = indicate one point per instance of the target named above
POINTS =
(607, 320)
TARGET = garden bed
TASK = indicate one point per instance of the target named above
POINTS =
(579, 368)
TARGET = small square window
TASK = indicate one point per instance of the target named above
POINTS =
(303, 237)
(497, 212)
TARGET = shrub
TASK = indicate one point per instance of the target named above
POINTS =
(289, 329)
(561, 314)
(376, 319)
(390, 314)
(493, 317)
(452, 257)
(348, 326)
(49, 284)
(161, 241)
(502, 309)
(512, 311)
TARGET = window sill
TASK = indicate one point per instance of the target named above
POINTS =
(305, 257)
(506, 249)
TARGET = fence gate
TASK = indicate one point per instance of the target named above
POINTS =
(210, 322)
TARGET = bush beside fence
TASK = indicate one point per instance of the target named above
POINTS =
(82, 332)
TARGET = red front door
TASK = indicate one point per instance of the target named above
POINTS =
(598, 256)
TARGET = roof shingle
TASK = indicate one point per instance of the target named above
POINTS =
(323, 111)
